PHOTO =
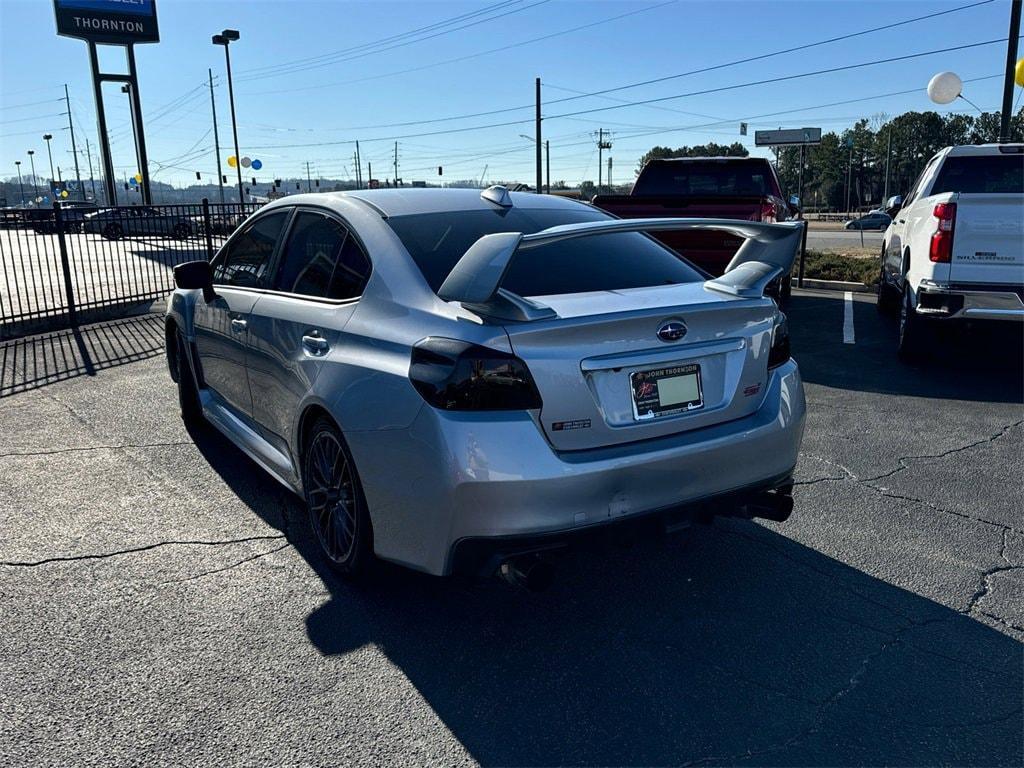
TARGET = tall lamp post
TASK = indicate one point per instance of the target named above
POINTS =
(32, 162)
(21, 186)
(46, 138)
(225, 38)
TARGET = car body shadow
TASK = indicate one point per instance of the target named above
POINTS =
(37, 361)
(980, 361)
(723, 644)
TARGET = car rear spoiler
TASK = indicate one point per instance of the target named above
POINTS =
(768, 250)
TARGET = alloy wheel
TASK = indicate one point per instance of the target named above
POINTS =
(331, 496)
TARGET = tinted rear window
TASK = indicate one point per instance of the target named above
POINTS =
(1000, 174)
(436, 242)
(714, 178)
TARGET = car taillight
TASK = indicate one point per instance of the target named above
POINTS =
(941, 248)
(459, 376)
(767, 211)
(780, 342)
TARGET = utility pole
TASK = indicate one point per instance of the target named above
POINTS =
(1011, 60)
(547, 160)
(849, 171)
(216, 138)
(609, 171)
(888, 155)
(359, 168)
(92, 178)
(309, 181)
(396, 163)
(601, 146)
(74, 150)
(537, 139)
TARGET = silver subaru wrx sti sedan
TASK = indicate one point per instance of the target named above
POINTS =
(457, 381)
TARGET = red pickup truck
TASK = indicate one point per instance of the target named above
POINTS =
(743, 188)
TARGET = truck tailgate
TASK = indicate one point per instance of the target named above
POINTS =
(988, 242)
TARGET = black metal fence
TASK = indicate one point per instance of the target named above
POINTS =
(70, 263)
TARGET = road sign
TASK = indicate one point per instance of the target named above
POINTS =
(117, 22)
(787, 137)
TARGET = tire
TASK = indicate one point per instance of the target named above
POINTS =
(188, 395)
(887, 295)
(182, 231)
(914, 333)
(113, 231)
(786, 288)
(334, 499)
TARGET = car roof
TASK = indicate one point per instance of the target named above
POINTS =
(985, 149)
(416, 200)
(718, 159)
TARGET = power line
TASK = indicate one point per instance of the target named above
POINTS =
(381, 41)
(468, 56)
(736, 62)
(705, 91)
(280, 71)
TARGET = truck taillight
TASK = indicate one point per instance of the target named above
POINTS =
(941, 249)
(768, 211)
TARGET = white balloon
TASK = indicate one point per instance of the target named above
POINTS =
(945, 87)
(246, 162)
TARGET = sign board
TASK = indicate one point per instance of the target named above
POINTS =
(115, 22)
(787, 137)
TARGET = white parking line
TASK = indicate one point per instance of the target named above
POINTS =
(848, 337)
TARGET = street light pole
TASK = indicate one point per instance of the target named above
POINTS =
(32, 161)
(21, 186)
(47, 137)
(225, 38)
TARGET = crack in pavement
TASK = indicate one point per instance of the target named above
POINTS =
(249, 559)
(135, 550)
(170, 443)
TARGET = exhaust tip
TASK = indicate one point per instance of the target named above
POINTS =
(532, 573)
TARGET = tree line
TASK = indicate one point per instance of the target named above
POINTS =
(853, 162)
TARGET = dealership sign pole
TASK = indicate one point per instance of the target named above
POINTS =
(112, 22)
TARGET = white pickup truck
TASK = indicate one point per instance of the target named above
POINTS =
(955, 247)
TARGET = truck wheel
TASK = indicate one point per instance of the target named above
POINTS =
(887, 295)
(914, 332)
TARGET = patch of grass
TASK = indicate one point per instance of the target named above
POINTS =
(836, 266)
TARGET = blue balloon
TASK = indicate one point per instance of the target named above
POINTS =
(257, 164)
(132, 181)
(46, 199)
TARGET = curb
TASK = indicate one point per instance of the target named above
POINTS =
(836, 285)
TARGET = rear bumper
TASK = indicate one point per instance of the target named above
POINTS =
(456, 477)
(954, 302)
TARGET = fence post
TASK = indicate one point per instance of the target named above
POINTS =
(803, 255)
(208, 228)
(65, 265)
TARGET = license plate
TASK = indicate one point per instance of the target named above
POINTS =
(666, 391)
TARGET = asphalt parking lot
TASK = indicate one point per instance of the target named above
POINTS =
(164, 604)
(840, 239)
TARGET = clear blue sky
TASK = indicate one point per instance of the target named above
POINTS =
(358, 95)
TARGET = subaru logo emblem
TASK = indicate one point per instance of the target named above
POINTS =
(673, 330)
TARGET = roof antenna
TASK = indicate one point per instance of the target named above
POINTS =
(498, 195)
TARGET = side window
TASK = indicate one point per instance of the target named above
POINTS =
(916, 189)
(245, 261)
(322, 260)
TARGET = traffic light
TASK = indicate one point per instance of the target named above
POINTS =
(439, 170)
(223, 179)
(198, 177)
(254, 181)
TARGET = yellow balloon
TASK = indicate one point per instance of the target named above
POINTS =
(63, 193)
(138, 177)
(1018, 73)
(232, 161)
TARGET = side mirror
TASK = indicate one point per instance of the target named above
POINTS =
(194, 275)
(893, 205)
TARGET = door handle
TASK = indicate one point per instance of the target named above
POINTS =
(238, 325)
(314, 344)
(902, 221)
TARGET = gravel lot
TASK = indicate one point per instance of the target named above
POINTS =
(163, 603)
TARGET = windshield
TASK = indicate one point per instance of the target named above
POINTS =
(436, 242)
(706, 178)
